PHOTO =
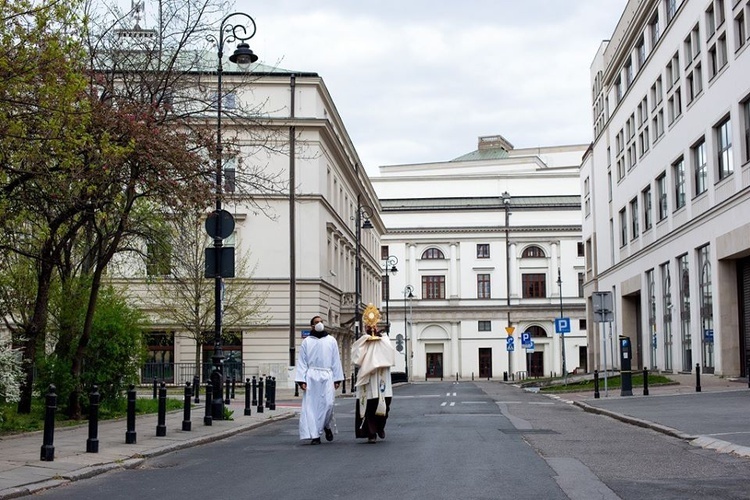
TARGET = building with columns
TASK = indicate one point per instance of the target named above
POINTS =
(487, 243)
(666, 186)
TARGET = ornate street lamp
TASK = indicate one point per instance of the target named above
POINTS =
(408, 295)
(363, 211)
(562, 335)
(221, 221)
(390, 268)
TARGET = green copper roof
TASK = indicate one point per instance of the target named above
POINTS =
(484, 154)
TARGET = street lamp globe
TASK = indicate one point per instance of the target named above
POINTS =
(243, 56)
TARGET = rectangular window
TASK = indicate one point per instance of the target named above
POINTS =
(433, 287)
(710, 20)
(580, 249)
(647, 211)
(483, 286)
(484, 326)
(158, 258)
(623, 228)
(746, 119)
(580, 284)
(678, 177)
(671, 10)
(700, 168)
(740, 31)
(230, 175)
(653, 30)
(534, 285)
(384, 252)
(634, 215)
(483, 250)
(661, 192)
(724, 148)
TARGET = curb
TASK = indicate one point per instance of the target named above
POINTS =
(134, 461)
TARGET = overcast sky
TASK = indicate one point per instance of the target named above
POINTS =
(419, 80)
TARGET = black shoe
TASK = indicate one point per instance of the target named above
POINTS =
(372, 440)
(381, 434)
(315, 441)
(329, 434)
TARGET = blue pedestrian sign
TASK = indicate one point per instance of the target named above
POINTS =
(525, 340)
(562, 325)
(708, 335)
(530, 348)
(509, 344)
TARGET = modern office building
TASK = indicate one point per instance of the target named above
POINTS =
(483, 243)
(665, 187)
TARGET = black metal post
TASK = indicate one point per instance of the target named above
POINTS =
(208, 418)
(161, 426)
(343, 385)
(92, 443)
(186, 424)
(255, 391)
(234, 381)
(130, 435)
(196, 389)
(248, 410)
(48, 449)
(697, 377)
(596, 384)
(260, 395)
(227, 400)
(273, 394)
(645, 381)
(268, 392)
(155, 386)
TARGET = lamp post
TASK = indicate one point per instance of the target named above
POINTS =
(506, 205)
(408, 295)
(562, 335)
(243, 57)
(390, 268)
(367, 224)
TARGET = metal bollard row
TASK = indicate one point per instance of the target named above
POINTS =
(248, 388)
(260, 395)
(92, 443)
(48, 448)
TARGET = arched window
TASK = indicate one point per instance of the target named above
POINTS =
(433, 253)
(536, 331)
(532, 252)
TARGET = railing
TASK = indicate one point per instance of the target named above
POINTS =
(179, 373)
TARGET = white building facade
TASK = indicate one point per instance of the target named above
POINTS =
(665, 186)
(482, 240)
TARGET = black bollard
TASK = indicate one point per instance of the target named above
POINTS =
(456, 376)
(272, 399)
(353, 382)
(260, 394)
(248, 410)
(472, 376)
(296, 389)
(697, 377)
(505, 376)
(645, 380)
(92, 443)
(154, 384)
(196, 389)
(186, 424)
(343, 386)
(234, 380)
(130, 436)
(227, 383)
(255, 392)
(208, 419)
(48, 450)
(596, 384)
(161, 426)
(268, 392)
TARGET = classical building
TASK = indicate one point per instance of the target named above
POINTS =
(484, 244)
(665, 187)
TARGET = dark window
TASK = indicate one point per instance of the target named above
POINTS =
(485, 326)
(580, 249)
(384, 252)
(581, 324)
(433, 253)
(534, 285)
(433, 287)
(483, 250)
(536, 331)
(533, 251)
(483, 286)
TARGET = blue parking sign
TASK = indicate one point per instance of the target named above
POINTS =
(562, 325)
(525, 339)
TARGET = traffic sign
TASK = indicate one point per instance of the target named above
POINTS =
(525, 340)
(603, 307)
(509, 330)
(562, 325)
(510, 344)
(530, 348)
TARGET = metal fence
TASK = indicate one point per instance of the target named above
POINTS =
(179, 373)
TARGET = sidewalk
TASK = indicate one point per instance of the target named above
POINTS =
(715, 418)
(23, 473)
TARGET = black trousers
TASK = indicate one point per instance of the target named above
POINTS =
(369, 424)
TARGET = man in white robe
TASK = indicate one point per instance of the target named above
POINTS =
(319, 374)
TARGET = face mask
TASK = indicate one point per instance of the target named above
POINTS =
(319, 327)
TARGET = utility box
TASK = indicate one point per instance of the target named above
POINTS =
(626, 375)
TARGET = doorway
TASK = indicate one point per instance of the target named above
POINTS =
(536, 364)
(485, 362)
(434, 365)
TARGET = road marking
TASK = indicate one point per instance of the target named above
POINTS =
(535, 403)
(474, 402)
(507, 402)
(443, 403)
(453, 403)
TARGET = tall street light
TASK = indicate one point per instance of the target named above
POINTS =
(366, 212)
(222, 220)
(390, 268)
(562, 335)
(408, 295)
(509, 329)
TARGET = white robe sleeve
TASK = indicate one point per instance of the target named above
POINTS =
(301, 372)
(338, 371)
